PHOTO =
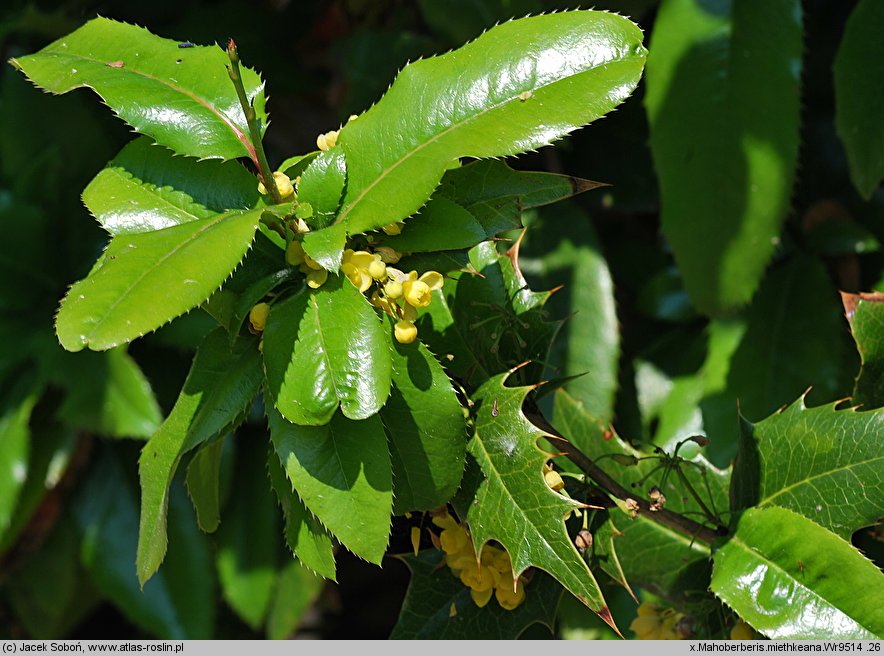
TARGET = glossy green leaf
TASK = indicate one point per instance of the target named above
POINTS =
(441, 225)
(795, 338)
(791, 579)
(218, 390)
(179, 602)
(670, 563)
(604, 551)
(15, 446)
(247, 538)
(324, 348)
(441, 261)
(497, 195)
(305, 535)
(858, 102)
(438, 329)
(322, 185)
(825, 464)
(296, 590)
(502, 319)
(262, 266)
(512, 503)
(144, 280)
(326, 246)
(146, 187)
(434, 590)
(865, 312)
(107, 393)
(519, 86)
(723, 103)
(181, 97)
(425, 430)
(203, 485)
(563, 249)
(342, 472)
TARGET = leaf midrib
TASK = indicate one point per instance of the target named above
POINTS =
(239, 134)
(343, 215)
(828, 472)
(153, 191)
(156, 265)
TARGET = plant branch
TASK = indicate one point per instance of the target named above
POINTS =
(252, 119)
(612, 487)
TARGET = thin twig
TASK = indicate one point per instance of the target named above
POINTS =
(252, 119)
(612, 487)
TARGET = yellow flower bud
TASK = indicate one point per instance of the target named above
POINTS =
(317, 278)
(648, 609)
(294, 254)
(311, 263)
(377, 269)
(646, 627)
(454, 540)
(393, 228)
(327, 141)
(405, 332)
(476, 578)
(393, 289)
(258, 317)
(554, 480)
(283, 185)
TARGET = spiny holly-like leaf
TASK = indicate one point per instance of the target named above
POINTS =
(324, 348)
(791, 579)
(144, 280)
(865, 312)
(497, 195)
(724, 111)
(858, 104)
(825, 464)
(670, 563)
(503, 319)
(519, 86)
(181, 97)
(342, 473)
(513, 504)
(145, 187)
(305, 535)
(438, 606)
(425, 430)
(218, 390)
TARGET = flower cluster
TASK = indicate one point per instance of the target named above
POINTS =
(490, 574)
(295, 256)
(398, 294)
(656, 623)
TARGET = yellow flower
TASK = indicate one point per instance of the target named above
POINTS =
(646, 628)
(327, 141)
(317, 278)
(405, 332)
(509, 598)
(417, 291)
(258, 317)
(443, 519)
(377, 269)
(393, 289)
(742, 631)
(479, 578)
(283, 185)
(360, 279)
(294, 254)
(454, 540)
(481, 597)
(653, 623)
(393, 228)
(381, 303)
